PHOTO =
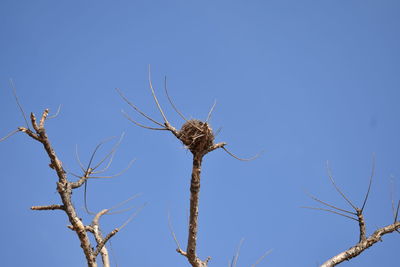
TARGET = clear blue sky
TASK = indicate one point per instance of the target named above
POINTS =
(305, 81)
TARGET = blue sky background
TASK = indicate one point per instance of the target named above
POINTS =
(305, 81)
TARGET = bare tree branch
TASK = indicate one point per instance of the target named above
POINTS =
(155, 98)
(141, 125)
(361, 246)
(242, 159)
(328, 210)
(14, 90)
(178, 246)
(10, 134)
(50, 207)
(236, 257)
(198, 137)
(170, 100)
(211, 110)
(136, 108)
(364, 241)
(63, 186)
(337, 188)
(57, 113)
(329, 205)
(370, 183)
(262, 257)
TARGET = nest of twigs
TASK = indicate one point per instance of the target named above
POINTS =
(197, 136)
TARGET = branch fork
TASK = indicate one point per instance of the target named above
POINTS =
(65, 187)
(364, 242)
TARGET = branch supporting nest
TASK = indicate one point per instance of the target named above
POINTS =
(198, 137)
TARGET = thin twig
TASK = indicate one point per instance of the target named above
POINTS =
(211, 110)
(85, 199)
(78, 159)
(111, 153)
(171, 229)
(141, 125)
(262, 257)
(55, 115)
(336, 187)
(176, 109)
(155, 98)
(132, 217)
(136, 108)
(95, 151)
(242, 159)
(115, 175)
(328, 210)
(10, 134)
(14, 89)
(392, 186)
(123, 203)
(171, 102)
(329, 205)
(122, 211)
(236, 257)
(370, 182)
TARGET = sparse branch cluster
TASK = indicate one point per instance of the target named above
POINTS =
(65, 188)
(364, 241)
(198, 137)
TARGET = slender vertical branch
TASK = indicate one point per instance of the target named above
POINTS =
(198, 137)
(194, 212)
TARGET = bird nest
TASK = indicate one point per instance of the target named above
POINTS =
(197, 136)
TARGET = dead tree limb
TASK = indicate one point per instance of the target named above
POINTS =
(364, 241)
(362, 245)
(65, 188)
(198, 137)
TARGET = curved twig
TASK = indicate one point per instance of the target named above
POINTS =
(141, 125)
(170, 100)
(137, 109)
(115, 175)
(329, 205)
(176, 109)
(328, 210)
(242, 159)
(55, 115)
(262, 257)
(123, 202)
(111, 153)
